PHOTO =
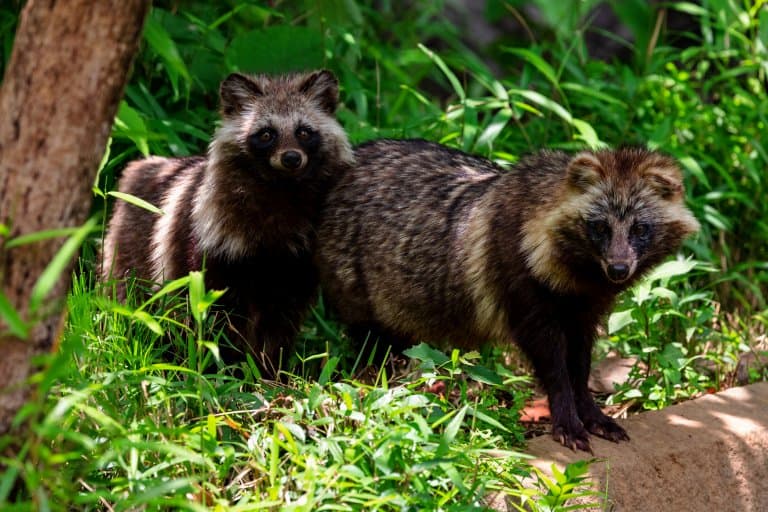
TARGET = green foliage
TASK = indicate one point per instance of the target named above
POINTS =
(666, 324)
(564, 486)
(53, 272)
(462, 379)
(136, 423)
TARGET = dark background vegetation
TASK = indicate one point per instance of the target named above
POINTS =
(496, 78)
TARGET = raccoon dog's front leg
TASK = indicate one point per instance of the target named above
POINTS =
(579, 362)
(547, 348)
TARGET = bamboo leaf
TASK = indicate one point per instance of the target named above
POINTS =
(60, 262)
(11, 317)
(136, 201)
(39, 236)
(537, 62)
(457, 88)
(545, 102)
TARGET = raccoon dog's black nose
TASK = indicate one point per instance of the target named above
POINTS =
(618, 272)
(291, 159)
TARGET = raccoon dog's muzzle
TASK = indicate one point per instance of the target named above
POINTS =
(619, 271)
(289, 160)
(620, 259)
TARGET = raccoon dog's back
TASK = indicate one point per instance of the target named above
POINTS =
(427, 243)
(392, 234)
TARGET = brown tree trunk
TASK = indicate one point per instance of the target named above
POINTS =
(59, 96)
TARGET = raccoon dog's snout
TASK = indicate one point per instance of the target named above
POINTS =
(289, 160)
(617, 272)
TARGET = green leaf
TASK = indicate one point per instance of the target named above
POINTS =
(487, 419)
(494, 128)
(11, 317)
(665, 293)
(671, 269)
(58, 264)
(162, 44)
(47, 234)
(587, 134)
(620, 319)
(536, 61)
(211, 426)
(102, 164)
(213, 347)
(545, 102)
(690, 8)
(169, 287)
(196, 290)
(693, 167)
(452, 428)
(328, 369)
(763, 29)
(424, 352)
(469, 126)
(560, 477)
(130, 125)
(136, 201)
(483, 374)
(455, 83)
(149, 321)
(315, 396)
(589, 91)
(277, 49)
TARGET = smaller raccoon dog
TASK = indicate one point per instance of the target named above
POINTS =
(246, 212)
(422, 242)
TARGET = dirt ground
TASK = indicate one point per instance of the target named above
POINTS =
(706, 454)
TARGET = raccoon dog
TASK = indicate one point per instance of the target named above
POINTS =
(246, 212)
(423, 242)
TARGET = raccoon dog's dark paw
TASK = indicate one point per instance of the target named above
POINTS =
(575, 438)
(605, 427)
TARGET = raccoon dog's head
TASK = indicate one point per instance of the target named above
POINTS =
(281, 127)
(626, 212)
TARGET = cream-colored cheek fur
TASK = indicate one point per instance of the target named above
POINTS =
(538, 243)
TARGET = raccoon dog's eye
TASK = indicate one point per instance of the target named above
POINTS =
(308, 138)
(598, 230)
(640, 230)
(263, 138)
(303, 133)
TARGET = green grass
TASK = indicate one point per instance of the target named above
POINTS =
(135, 412)
(120, 425)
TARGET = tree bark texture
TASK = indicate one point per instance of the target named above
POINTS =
(59, 96)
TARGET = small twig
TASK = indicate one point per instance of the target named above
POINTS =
(101, 498)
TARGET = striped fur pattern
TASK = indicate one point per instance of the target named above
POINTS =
(246, 211)
(422, 242)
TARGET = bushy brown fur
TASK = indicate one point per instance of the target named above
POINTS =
(246, 211)
(422, 242)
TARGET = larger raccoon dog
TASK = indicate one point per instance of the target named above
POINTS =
(245, 212)
(427, 243)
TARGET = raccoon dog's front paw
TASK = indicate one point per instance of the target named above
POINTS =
(607, 428)
(573, 437)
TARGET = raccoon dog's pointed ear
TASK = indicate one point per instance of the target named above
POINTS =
(584, 171)
(236, 91)
(323, 87)
(665, 177)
